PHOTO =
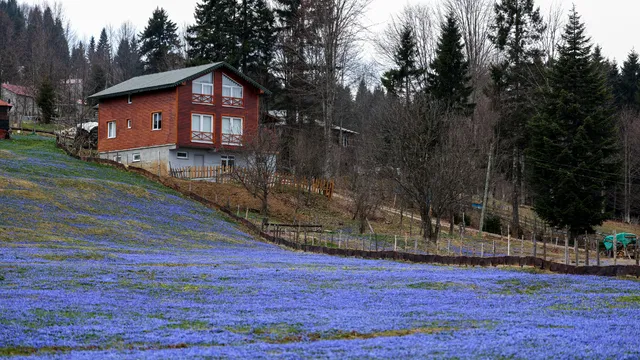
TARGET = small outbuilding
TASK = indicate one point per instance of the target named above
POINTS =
(5, 107)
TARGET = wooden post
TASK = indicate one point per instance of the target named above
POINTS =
(566, 249)
(522, 246)
(509, 240)
(405, 242)
(449, 247)
(339, 239)
(577, 251)
(415, 245)
(586, 249)
(535, 245)
(597, 251)
(411, 223)
(494, 247)
(544, 247)
(238, 212)
(363, 245)
(482, 250)
(246, 214)
(636, 253)
(305, 237)
(615, 248)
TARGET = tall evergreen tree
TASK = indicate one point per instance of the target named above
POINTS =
(214, 36)
(99, 78)
(629, 83)
(159, 43)
(258, 39)
(448, 80)
(516, 33)
(127, 60)
(400, 80)
(573, 152)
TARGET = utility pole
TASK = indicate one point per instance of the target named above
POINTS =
(486, 191)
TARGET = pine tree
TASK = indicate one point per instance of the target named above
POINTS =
(399, 81)
(159, 43)
(516, 33)
(214, 37)
(46, 101)
(260, 39)
(99, 78)
(573, 151)
(449, 76)
(127, 60)
(629, 84)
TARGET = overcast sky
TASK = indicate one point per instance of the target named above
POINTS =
(610, 23)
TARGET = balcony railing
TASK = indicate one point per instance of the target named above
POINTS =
(202, 98)
(202, 136)
(231, 139)
(232, 101)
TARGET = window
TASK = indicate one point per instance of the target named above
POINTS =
(136, 157)
(183, 155)
(231, 92)
(202, 89)
(228, 161)
(231, 131)
(157, 121)
(129, 124)
(129, 101)
(117, 158)
(202, 128)
(111, 129)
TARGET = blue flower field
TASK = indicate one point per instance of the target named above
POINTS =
(99, 263)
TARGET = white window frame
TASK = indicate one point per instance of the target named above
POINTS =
(202, 85)
(202, 121)
(230, 88)
(232, 119)
(156, 124)
(185, 157)
(136, 157)
(129, 99)
(111, 125)
(118, 158)
(227, 158)
(128, 123)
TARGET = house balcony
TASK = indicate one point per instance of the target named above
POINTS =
(232, 140)
(202, 99)
(232, 101)
(202, 137)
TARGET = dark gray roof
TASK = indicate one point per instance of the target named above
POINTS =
(168, 79)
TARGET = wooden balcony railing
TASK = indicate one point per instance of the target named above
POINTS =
(202, 98)
(231, 139)
(232, 101)
(202, 136)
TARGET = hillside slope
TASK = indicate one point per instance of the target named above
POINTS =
(99, 263)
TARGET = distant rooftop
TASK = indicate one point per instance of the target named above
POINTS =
(168, 79)
(18, 90)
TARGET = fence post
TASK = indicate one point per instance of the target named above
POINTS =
(522, 246)
(395, 243)
(449, 247)
(597, 251)
(535, 245)
(339, 239)
(577, 250)
(544, 247)
(615, 248)
(509, 240)
(586, 249)
(415, 245)
(246, 214)
(636, 253)
(494, 247)
(566, 249)
(482, 250)
(406, 240)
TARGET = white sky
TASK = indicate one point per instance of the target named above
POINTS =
(610, 23)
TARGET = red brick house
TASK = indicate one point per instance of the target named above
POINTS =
(197, 116)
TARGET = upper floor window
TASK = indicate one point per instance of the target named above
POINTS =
(129, 100)
(231, 131)
(202, 89)
(232, 92)
(111, 129)
(157, 121)
(202, 128)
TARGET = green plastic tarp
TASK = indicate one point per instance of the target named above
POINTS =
(623, 238)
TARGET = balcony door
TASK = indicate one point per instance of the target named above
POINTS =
(202, 128)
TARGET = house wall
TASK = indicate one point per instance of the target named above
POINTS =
(155, 159)
(249, 112)
(24, 107)
(211, 158)
(140, 113)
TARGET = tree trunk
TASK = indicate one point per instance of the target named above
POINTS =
(426, 221)
(515, 195)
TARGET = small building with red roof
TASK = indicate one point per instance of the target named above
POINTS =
(22, 101)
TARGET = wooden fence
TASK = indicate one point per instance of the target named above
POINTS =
(226, 175)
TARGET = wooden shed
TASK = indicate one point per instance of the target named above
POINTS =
(4, 119)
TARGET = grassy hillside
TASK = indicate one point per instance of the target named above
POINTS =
(98, 263)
